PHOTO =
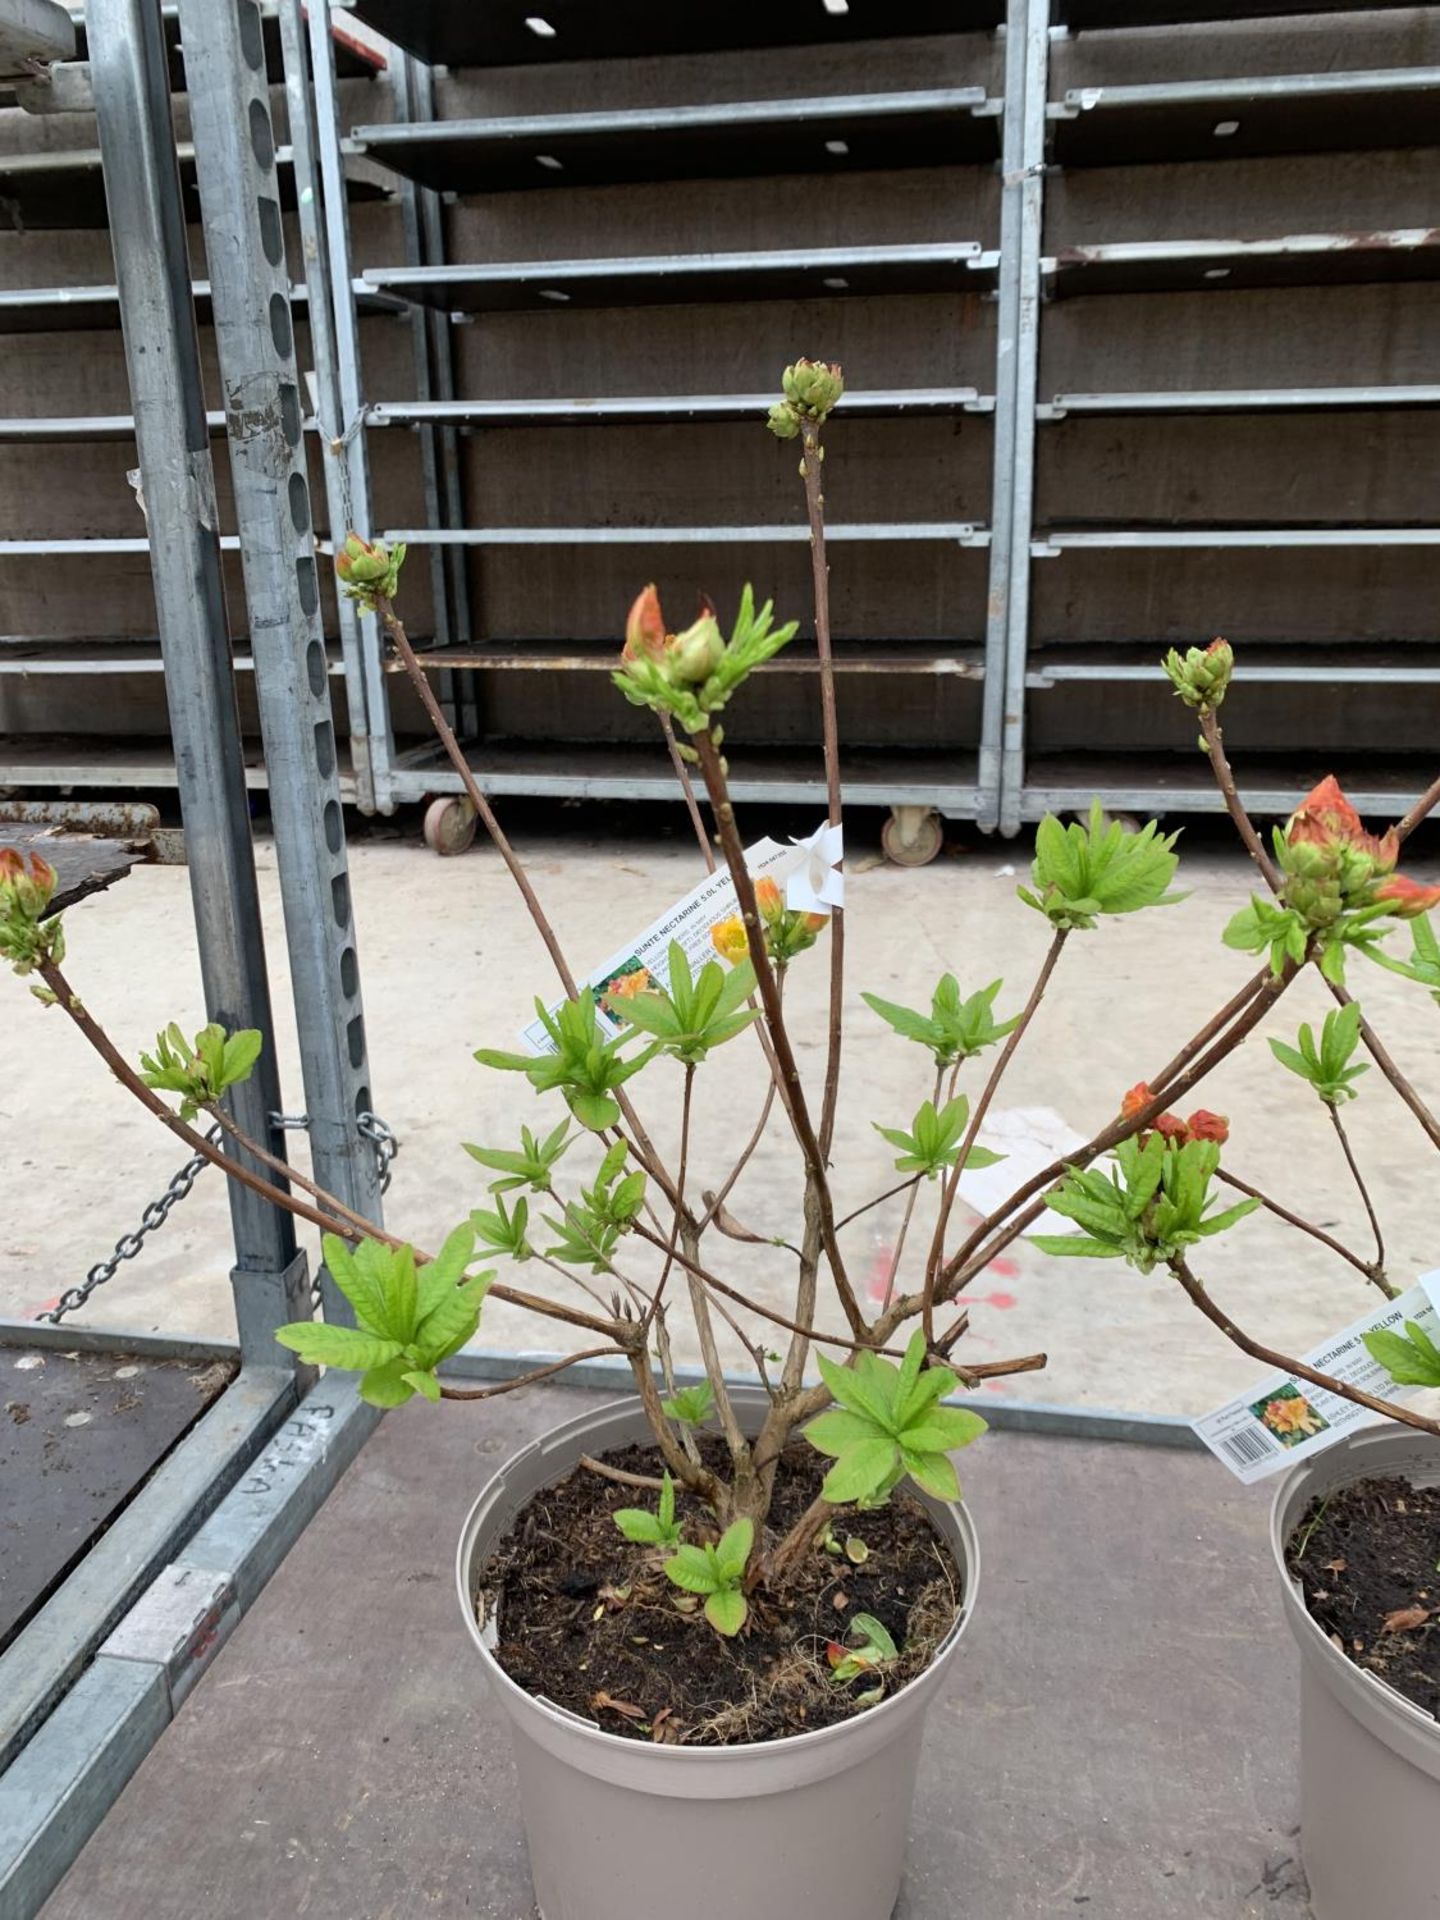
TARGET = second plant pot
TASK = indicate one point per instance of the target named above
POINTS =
(1369, 1758)
(794, 1829)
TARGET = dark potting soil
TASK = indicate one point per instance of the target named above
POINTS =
(1366, 1559)
(591, 1621)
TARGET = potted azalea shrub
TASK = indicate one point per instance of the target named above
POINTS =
(722, 1642)
(1355, 1525)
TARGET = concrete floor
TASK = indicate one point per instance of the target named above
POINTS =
(450, 963)
(1132, 1761)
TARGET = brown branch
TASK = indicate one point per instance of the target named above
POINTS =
(329, 1201)
(731, 846)
(812, 469)
(533, 1378)
(1309, 1227)
(687, 787)
(980, 1249)
(395, 627)
(775, 1567)
(690, 1473)
(69, 1000)
(1421, 810)
(1302, 1370)
(619, 1474)
(1225, 779)
(1359, 1179)
(1383, 1059)
(879, 1200)
(1216, 1024)
(714, 1202)
(977, 1118)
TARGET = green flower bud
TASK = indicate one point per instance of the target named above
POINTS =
(813, 387)
(1201, 676)
(692, 656)
(783, 421)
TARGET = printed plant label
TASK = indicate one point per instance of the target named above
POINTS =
(645, 959)
(1284, 1419)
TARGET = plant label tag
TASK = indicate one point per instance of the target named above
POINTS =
(1283, 1419)
(645, 959)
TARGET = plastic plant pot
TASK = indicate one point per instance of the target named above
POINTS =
(781, 1830)
(1369, 1758)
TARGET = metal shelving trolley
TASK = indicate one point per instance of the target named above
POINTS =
(1134, 299)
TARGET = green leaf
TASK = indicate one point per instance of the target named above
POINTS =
(859, 1471)
(691, 1406)
(239, 1055)
(388, 1385)
(726, 1611)
(1072, 1245)
(593, 1110)
(321, 1345)
(933, 1472)
(638, 1525)
(831, 1433)
(733, 1549)
(855, 1392)
(1411, 1359)
(438, 1278)
(690, 1568)
(942, 1430)
(424, 1382)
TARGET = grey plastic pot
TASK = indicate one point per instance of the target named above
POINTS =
(790, 1829)
(1369, 1759)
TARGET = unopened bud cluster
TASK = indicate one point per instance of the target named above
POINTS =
(1201, 675)
(811, 389)
(368, 570)
(27, 886)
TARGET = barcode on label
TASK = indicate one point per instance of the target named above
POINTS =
(1247, 1447)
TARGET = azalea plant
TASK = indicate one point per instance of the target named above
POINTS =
(617, 1253)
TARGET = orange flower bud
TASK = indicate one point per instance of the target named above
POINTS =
(768, 898)
(645, 627)
(1137, 1098)
(1172, 1129)
(1325, 818)
(1407, 898)
(1204, 1125)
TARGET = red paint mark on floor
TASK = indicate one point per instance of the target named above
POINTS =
(878, 1277)
(1003, 1267)
(43, 1307)
(1001, 1300)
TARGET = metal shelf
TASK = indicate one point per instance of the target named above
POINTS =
(92, 549)
(67, 189)
(25, 658)
(78, 309)
(655, 409)
(852, 657)
(1083, 15)
(1241, 400)
(798, 273)
(943, 780)
(40, 430)
(1297, 260)
(1242, 119)
(353, 60)
(86, 761)
(956, 533)
(1298, 664)
(496, 33)
(1175, 783)
(943, 127)
(1049, 543)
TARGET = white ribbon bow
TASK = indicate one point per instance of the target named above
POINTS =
(809, 872)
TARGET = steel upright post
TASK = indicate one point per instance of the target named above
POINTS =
(351, 425)
(250, 295)
(177, 491)
(1031, 212)
(320, 312)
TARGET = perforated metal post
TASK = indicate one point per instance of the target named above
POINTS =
(245, 247)
(356, 475)
(157, 315)
(320, 312)
(1034, 17)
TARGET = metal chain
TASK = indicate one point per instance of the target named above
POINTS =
(370, 1126)
(129, 1244)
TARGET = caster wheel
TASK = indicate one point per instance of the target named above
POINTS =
(912, 836)
(449, 825)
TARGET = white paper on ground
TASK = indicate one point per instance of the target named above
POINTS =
(1031, 1138)
(1283, 1419)
(689, 922)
